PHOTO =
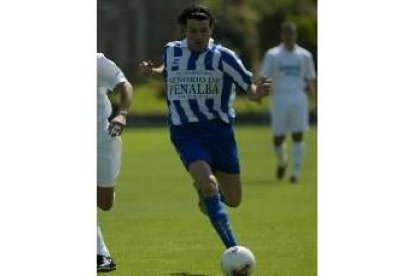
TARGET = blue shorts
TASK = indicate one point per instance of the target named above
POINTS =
(212, 141)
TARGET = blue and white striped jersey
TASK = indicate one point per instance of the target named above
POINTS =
(201, 86)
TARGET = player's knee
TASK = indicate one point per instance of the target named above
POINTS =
(105, 205)
(233, 202)
(278, 140)
(209, 186)
(209, 190)
(297, 137)
(232, 199)
(105, 198)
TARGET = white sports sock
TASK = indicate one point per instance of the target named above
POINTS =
(297, 157)
(281, 154)
(101, 249)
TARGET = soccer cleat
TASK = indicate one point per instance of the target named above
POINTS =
(280, 173)
(105, 264)
(294, 179)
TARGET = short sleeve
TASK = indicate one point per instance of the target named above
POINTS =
(109, 74)
(310, 68)
(267, 65)
(233, 66)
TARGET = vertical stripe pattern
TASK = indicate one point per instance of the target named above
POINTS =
(200, 86)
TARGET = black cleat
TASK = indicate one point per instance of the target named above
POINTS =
(294, 179)
(105, 264)
(280, 173)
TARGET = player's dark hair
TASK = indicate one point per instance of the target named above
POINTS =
(197, 12)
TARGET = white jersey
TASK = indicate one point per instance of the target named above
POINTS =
(108, 76)
(289, 70)
(201, 86)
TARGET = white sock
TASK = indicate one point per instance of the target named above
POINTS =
(101, 249)
(281, 154)
(297, 157)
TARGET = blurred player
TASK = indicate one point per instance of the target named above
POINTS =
(201, 77)
(292, 70)
(109, 149)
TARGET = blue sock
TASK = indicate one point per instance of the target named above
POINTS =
(219, 219)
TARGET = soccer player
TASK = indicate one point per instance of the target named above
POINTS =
(201, 78)
(292, 70)
(109, 148)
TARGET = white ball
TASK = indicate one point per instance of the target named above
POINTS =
(238, 259)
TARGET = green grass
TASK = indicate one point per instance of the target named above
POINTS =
(155, 227)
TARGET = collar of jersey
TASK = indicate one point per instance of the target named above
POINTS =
(284, 48)
(184, 43)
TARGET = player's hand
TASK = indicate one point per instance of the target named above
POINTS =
(263, 88)
(117, 125)
(145, 68)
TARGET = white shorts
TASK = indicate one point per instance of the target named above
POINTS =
(109, 158)
(289, 113)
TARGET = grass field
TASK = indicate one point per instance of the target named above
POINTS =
(155, 227)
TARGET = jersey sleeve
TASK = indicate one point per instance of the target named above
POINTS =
(233, 66)
(310, 68)
(165, 58)
(267, 66)
(109, 74)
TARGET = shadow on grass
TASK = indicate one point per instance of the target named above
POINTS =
(186, 274)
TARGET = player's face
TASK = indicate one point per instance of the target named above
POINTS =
(289, 36)
(198, 34)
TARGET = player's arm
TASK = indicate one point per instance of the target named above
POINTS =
(233, 66)
(311, 78)
(312, 88)
(310, 74)
(267, 66)
(260, 89)
(147, 69)
(118, 123)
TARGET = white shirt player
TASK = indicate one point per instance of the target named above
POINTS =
(108, 76)
(289, 70)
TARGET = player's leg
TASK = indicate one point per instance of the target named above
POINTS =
(189, 149)
(105, 198)
(201, 172)
(299, 124)
(279, 119)
(108, 166)
(281, 155)
(230, 188)
(298, 151)
(191, 142)
(225, 161)
(200, 198)
(104, 260)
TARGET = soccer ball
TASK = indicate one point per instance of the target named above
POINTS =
(238, 261)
